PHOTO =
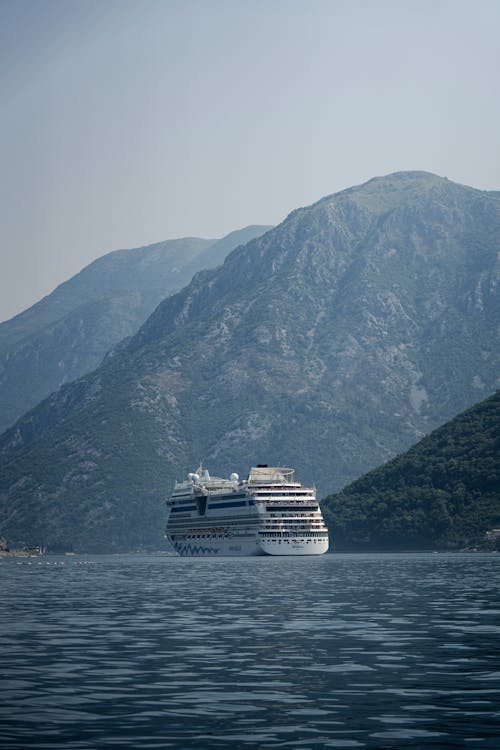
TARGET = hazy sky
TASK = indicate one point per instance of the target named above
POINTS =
(130, 121)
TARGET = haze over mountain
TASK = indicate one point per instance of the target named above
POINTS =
(331, 343)
(68, 332)
(444, 493)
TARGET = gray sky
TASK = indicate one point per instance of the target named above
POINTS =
(130, 121)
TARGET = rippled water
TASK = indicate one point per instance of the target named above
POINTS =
(339, 651)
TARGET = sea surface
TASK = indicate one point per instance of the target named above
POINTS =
(338, 651)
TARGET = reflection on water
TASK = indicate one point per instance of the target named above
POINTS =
(376, 651)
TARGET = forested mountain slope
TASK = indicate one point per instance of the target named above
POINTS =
(444, 493)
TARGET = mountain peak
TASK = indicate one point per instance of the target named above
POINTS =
(388, 191)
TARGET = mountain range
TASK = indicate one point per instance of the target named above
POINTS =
(67, 333)
(331, 343)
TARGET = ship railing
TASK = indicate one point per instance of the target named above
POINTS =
(287, 502)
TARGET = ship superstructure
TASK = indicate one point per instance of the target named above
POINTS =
(268, 513)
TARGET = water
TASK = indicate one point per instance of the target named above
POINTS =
(339, 651)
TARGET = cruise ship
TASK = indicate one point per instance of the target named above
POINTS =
(269, 513)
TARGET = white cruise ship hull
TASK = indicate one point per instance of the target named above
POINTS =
(248, 547)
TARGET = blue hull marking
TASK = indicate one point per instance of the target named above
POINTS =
(194, 549)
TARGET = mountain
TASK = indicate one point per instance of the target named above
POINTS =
(68, 332)
(444, 493)
(332, 343)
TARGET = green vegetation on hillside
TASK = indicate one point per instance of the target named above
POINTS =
(444, 493)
